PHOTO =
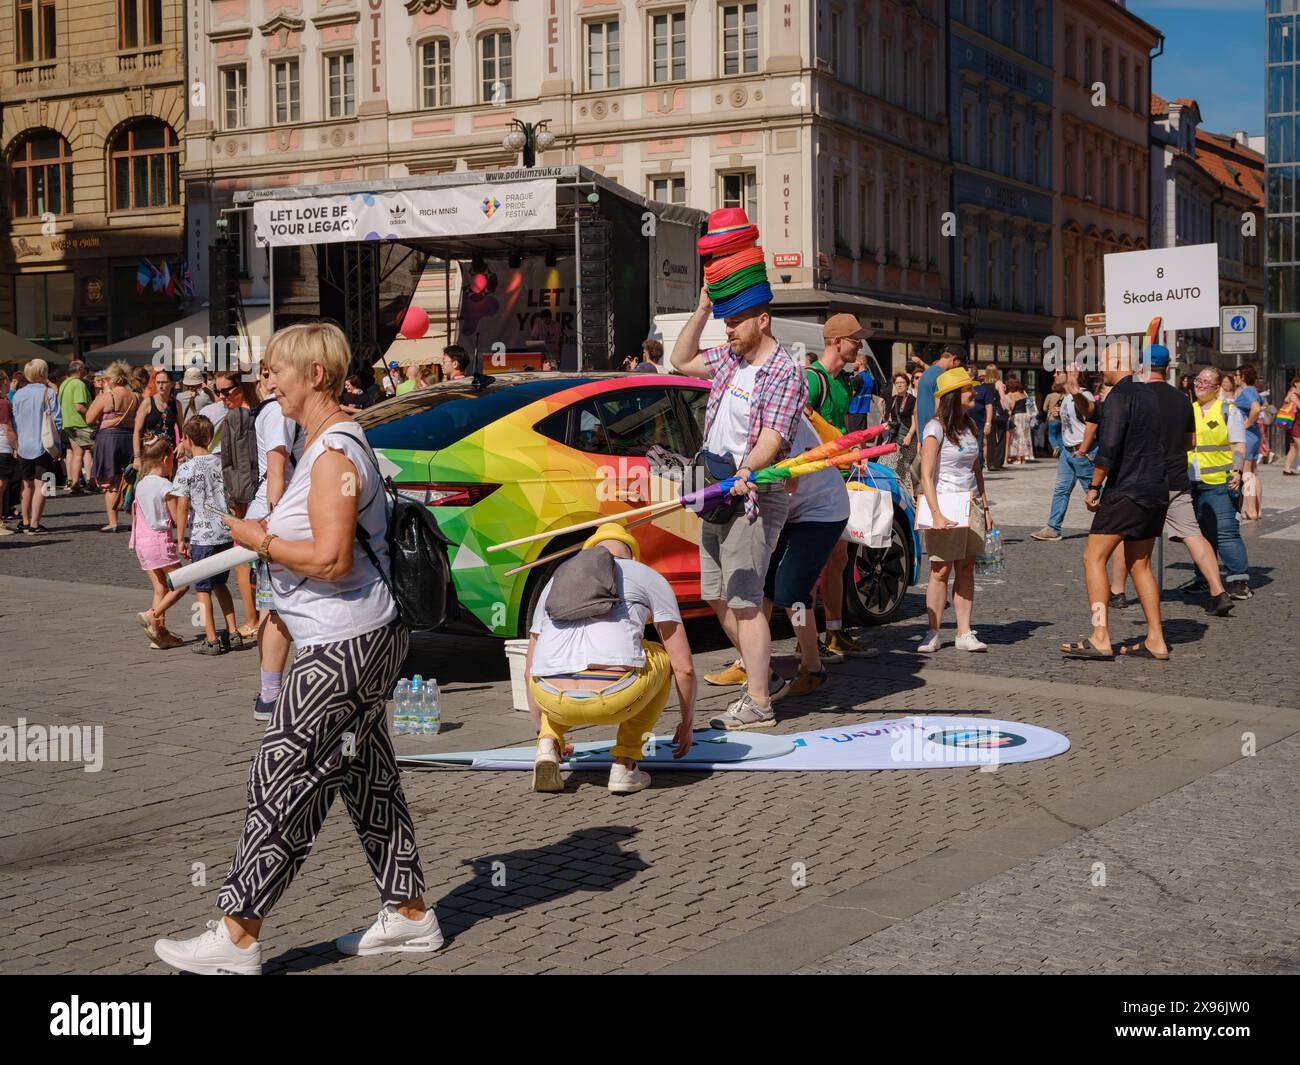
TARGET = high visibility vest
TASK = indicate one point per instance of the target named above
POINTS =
(1210, 461)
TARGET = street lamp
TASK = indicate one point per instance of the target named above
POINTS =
(529, 138)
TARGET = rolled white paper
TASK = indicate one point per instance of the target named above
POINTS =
(209, 567)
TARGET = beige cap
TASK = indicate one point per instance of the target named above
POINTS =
(193, 376)
(844, 325)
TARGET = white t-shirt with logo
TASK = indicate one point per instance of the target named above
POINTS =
(151, 497)
(956, 461)
(729, 433)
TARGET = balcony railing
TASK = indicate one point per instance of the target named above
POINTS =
(132, 61)
(41, 75)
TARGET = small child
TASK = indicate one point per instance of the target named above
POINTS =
(198, 485)
(151, 536)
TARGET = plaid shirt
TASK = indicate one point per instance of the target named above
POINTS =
(780, 395)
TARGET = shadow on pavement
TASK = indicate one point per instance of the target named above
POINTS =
(590, 859)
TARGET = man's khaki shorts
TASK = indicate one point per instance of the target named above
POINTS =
(734, 557)
(81, 436)
(1180, 518)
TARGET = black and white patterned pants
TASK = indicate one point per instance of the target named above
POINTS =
(333, 701)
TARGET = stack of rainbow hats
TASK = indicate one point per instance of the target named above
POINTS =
(736, 275)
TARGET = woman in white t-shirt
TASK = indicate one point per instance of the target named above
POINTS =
(328, 733)
(950, 464)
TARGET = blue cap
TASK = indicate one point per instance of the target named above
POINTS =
(393, 365)
(1158, 355)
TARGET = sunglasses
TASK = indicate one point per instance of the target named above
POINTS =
(223, 392)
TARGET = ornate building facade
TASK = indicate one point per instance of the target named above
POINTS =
(1103, 84)
(824, 119)
(1001, 98)
(93, 105)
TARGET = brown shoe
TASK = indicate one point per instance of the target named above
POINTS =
(806, 682)
(733, 676)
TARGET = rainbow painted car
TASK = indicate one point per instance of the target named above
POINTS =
(518, 454)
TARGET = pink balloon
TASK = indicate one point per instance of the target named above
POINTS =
(415, 323)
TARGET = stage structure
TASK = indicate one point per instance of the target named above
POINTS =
(355, 251)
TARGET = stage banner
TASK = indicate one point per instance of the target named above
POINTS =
(458, 211)
(905, 743)
(505, 313)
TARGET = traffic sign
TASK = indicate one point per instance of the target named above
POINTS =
(1094, 325)
(1237, 330)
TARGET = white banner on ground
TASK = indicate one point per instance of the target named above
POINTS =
(459, 211)
(905, 743)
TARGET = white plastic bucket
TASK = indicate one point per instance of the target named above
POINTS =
(516, 655)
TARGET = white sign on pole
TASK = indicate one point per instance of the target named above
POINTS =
(1237, 326)
(1179, 285)
(464, 210)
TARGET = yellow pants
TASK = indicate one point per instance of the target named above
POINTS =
(634, 709)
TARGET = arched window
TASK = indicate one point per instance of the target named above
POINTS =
(145, 165)
(41, 175)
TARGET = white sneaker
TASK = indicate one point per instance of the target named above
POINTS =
(392, 934)
(968, 641)
(932, 643)
(546, 766)
(211, 953)
(624, 781)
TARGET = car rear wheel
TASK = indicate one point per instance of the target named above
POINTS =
(876, 580)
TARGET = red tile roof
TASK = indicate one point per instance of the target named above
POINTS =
(1232, 165)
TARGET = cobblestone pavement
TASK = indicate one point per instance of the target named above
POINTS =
(1185, 884)
(696, 874)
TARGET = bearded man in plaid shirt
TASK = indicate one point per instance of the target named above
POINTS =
(757, 395)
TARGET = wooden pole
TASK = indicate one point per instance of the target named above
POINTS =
(573, 549)
(654, 508)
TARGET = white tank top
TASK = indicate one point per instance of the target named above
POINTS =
(317, 611)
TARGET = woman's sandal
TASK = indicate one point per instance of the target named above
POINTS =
(108, 528)
(1084, 648)
(1141, 650)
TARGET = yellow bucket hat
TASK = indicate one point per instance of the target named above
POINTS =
(612, 530)
(953, 380)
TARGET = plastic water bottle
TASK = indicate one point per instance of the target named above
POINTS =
(403, 724)
(417, 704)
(432, 713)
(992, 561)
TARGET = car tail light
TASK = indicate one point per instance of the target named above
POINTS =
(446, 494)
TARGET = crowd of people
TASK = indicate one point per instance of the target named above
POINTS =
(259, 463)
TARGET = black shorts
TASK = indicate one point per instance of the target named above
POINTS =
(1118, 515)
(198, 552)
(33, 469)
(801, 553)
(7, 465)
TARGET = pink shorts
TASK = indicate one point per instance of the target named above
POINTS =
(154, 549)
